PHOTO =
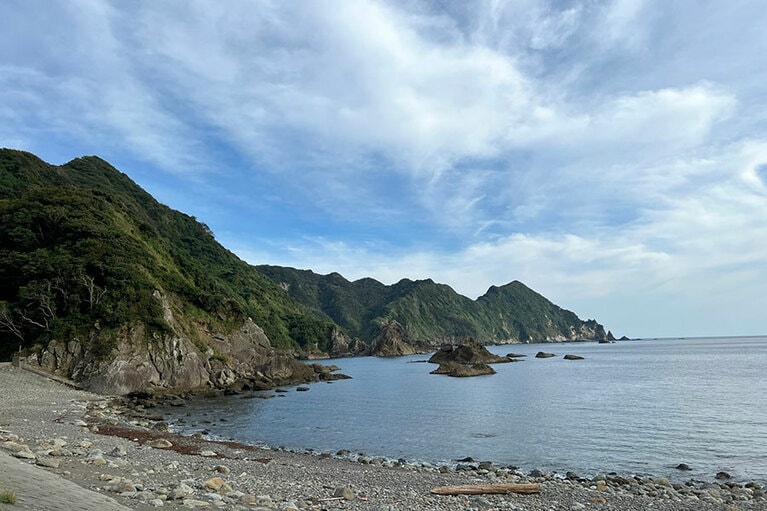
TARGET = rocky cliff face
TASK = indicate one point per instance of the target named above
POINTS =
(393, 341)
(188, 357)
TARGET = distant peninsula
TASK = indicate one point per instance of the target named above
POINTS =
(101, 283)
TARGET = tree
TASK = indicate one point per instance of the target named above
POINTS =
(9, 323)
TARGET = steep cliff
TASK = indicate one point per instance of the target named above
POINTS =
(101, 282)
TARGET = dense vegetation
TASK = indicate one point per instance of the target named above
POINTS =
(431, 312)
(84, 251)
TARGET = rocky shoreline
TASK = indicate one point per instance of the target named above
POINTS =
(118, 449)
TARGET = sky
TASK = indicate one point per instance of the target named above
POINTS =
(611, 155)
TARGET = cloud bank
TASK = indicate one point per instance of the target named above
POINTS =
(611, 156)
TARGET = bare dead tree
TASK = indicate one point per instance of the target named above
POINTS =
(95, 293)
(41, 310)
(9, 323)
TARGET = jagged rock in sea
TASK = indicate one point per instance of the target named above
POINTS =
(459, 370)
(468, 351)
(393, 341)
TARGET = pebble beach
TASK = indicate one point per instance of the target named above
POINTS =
(64, 448)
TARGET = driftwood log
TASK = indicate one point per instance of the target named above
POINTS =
(480, 489)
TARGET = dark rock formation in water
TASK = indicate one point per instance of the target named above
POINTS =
(393, 341)
(468, 351)
(543, 354)
(573, 357)
(463, 370)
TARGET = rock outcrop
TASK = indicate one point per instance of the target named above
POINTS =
(463, 370)
(468, 351)
(187, 356)
(543, 354)
(469, 358)
(393, 341)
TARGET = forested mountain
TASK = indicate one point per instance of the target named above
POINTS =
(87, 255)
(431, 312)
(100, 281)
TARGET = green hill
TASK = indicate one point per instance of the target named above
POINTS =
(86, 253)
(431, 312)
(101, 282)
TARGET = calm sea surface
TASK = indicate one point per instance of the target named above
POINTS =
(634, 407)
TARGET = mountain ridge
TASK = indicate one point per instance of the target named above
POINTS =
(431, 312)
(97, 276)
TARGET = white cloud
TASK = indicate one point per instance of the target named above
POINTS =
(587, 150)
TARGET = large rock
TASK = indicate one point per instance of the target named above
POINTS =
(186, 356)
(463, 370)
(393, 341)
(468, 351)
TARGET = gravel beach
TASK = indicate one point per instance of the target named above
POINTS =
(63, 448)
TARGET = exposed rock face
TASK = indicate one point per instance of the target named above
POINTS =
(172, 361)
(463, 370)
(393, 341)
(469, 358)
(468, 351)
(344, 346)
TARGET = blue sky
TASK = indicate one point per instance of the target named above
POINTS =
(610, 155)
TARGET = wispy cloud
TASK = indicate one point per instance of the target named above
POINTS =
(598, 151)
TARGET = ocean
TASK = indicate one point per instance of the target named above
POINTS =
(631, 407)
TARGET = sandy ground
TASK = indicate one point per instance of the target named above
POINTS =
(67, 449)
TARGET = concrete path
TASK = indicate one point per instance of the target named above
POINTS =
(36, 489)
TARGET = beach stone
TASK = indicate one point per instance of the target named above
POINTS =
(180, 491)
(48, 463)
(722, 476)
(193, 503)
(217, 484)
(208, 454)
(683, 466)
(58, 443)
(156, 503)
(248, 499)
(118, 451)
(160, 443)
(345, 492)
(14, 446)
(24, 455)
(222, 469)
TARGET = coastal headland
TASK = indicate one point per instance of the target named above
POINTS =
(63, 448)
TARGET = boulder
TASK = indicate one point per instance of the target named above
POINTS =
(392, 341)
(468, 351)
(463, 370)
(573, 357)
(543, 354)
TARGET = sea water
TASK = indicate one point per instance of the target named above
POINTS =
(632, 407)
